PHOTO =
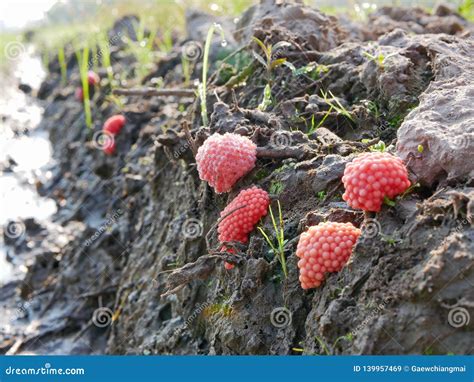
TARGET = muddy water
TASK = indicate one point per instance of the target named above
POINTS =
(27, 148)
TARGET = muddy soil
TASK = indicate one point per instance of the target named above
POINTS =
(137, 275)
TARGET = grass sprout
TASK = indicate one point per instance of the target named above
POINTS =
(334, 103)
(62, 64)
(104, 46)
(267, 98)
(268, 61)
(83, 60)
(202, 89)
(330, 350)
(277, 249)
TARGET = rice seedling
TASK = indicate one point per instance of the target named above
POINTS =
(277, 249)
(105, 57)
(202, 89)
(62, 64)
(83, 61)
(142, 49)
(165, 43)
(186, 66)
(466, 9)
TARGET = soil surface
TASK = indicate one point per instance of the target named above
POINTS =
(127, 264)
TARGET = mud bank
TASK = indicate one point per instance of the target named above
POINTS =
(134, 220)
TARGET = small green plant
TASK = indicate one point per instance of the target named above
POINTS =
(261, 174)
(222, 308)
(186, 66)
(83, 60)
(268, 61)
(334, 103)
(389, 202)
(278, 250)
(466, 9)
(322, 196)
(165, 43)
(379, 59)
(276, 187)
(267, 98)
(312, 128)
(105, 56)
(390, 240)
(327, 114)
(142, 49)
(374, 109)
(395, 121)
(202, 89)
(331, 350)
(62, 64)
(379, 146)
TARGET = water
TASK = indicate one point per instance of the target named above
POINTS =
(30, 148)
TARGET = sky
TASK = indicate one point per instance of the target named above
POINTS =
(15, 14)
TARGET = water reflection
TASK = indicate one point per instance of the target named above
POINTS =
(23, 150)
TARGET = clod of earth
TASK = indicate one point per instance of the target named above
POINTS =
(372, 177)
(324, 248)
(224, 159)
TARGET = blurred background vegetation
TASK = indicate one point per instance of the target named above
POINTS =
(55, 22)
